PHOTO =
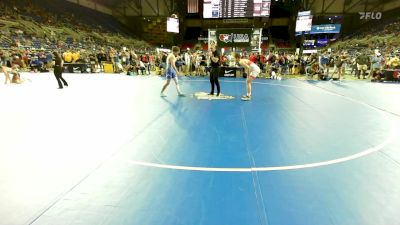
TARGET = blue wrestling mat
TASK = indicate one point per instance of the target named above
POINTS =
(298, 153)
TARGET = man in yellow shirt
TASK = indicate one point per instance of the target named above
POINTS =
(394, 62)
(76, 56)
(67, 56)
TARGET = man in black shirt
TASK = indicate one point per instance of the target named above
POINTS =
(215, 67)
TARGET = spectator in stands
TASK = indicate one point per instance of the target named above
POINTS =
(290, 59)
(353, 67)
(224, 60)
(93, 62)
(140, 67)
(203, 63)
(311, 60)
(376, 74)
(145, 60)
(163, 63)
(376, 64)
(17, 61)
(187, 62)
(263, 60)
(345, 59)
(197, 63)
(126, 57)
(194, 62)
(323, 62)
(133, 55)
(101, 57)
(43, 60)
(36, 65)
(394, 62)
(253, 58)
(117, 63)
(179, 63)
(76, 55)
(362, 64)
(338, 72)
(296, 64)
(67, 56)
(283, 62)
(152, 61)
(274, 70)
(49, 59)
(113, 56)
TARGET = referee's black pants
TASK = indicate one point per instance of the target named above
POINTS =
(58, 74)
(214, 80)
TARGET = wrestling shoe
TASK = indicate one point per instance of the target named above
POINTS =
(246, 98)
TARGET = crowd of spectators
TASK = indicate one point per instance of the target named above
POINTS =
(33, 52)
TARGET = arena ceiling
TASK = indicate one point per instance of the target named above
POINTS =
(165, 7)
(343, 7)
(129, 8)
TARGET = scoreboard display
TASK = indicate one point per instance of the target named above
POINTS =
(172, 25)
(236, 8)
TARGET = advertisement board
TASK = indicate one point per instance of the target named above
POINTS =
(234, 37)
(326, 29)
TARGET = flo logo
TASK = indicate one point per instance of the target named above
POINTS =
(370, 15)
(225, 38)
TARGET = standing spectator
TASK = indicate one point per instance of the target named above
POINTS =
(353, 67)
(152, 59)
(179, 63)
(67, 56)
(376, 67)
(263, 60)
(49, 60)
(187, 62)
(394, 62)
(145, 60)
(362, 64)
(253, 58)
(311, 60)
(338, 68)
(323, 62)
(76, 55)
